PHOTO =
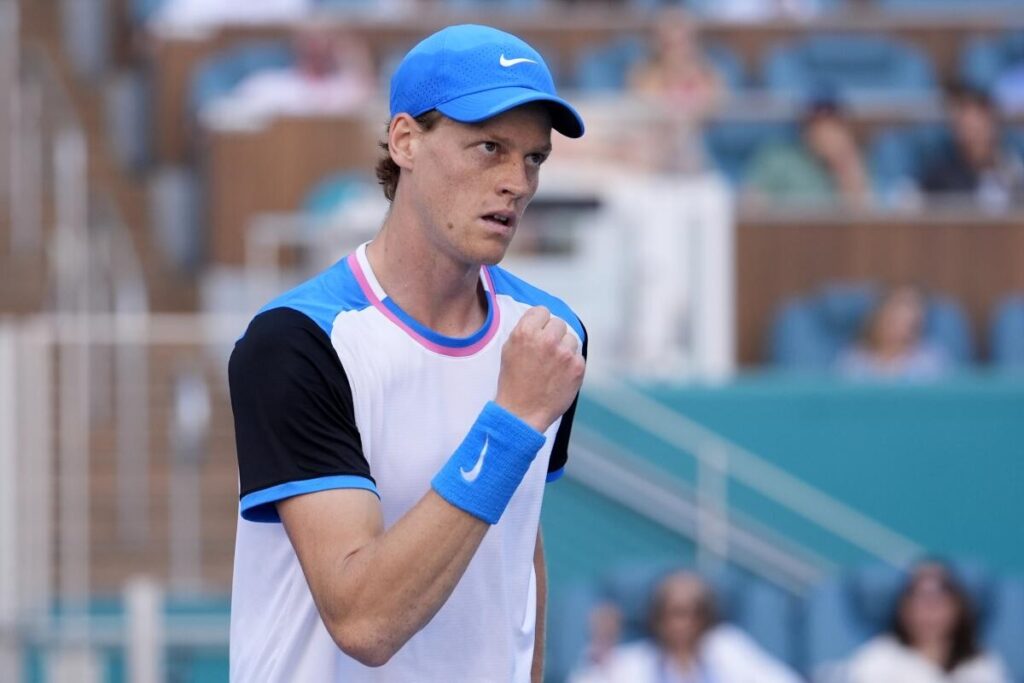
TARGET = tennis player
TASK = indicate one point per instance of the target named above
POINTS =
(398, 415)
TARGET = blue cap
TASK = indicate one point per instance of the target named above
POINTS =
(470, 73)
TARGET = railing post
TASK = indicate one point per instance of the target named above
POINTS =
(144, 630)
(191, 423)
(9, 583)
(712, 506)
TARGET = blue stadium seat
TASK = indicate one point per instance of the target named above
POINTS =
(952, 6)
(767, 613)
(809, 333)
(1007, 334)
(984, 59)
(568, 629)
(1004, 627)
(218, 75)
(845, 611)
(328, 195)
(140, 11)
(898, 155)
(731, 145)
(859, 68)
(606, 67)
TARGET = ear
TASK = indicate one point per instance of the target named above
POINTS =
(403, 139)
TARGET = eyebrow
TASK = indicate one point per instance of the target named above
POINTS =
(543, 149)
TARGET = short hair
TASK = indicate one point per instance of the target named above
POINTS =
(387, 170)
(707, 607)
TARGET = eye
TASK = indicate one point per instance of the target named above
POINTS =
(490, 147)
(537, 159)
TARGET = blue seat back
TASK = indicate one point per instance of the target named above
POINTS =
(984, 59)
(809, 333)
(220, 74)
(1007, 334)
(328, 195)
(862, 68)
(731, 145)
(606, 67)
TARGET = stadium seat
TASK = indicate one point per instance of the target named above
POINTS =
(767, 613)
(984, 59)
(845, 611)
(952, 6)
(1007, 334)
(861, 69)
(140, 11)
(731, 145)
(332, 192)
(606, 67)
(809, 333)
(218, 75)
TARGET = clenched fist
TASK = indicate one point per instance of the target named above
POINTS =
(541, 369)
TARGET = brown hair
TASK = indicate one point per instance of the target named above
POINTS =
(964, 636)
(387, 170)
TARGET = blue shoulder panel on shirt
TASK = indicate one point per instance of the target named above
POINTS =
(508, 284)
(325, 296)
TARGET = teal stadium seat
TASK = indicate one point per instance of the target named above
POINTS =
(859, 68)
(809, 333)
(731, 145)
(331, 193)
(220, 74)
(986, 58)
(1007, 334)
(845, 611)
(951, 6)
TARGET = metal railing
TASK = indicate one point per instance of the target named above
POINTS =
(719, 460)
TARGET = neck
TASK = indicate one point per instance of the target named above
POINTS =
(432, 286)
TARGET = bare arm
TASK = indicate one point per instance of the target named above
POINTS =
(541, 571)
(376, 589)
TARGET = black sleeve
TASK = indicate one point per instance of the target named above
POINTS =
(295, 428)
(560, 451)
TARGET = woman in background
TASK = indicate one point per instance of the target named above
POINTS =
(688, 644)
(891, 345)
(933, 637)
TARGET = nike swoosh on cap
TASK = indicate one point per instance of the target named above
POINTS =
(471, 475)
(512, 62)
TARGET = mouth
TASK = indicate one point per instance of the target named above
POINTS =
(501, 219)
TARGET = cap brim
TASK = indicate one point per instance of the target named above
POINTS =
(481, 106)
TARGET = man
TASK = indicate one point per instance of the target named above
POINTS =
(976, 162)
(397, 416)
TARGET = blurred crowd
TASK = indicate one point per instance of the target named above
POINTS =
(932, 635)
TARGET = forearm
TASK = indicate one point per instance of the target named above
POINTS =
(390, 588)
(540, 633)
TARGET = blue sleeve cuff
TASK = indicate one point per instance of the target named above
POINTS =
(556, 475)
(260, 506)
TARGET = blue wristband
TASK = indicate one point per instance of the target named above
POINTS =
(485, 471)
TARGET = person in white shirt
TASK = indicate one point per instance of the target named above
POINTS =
(933, 638)
(688, 645)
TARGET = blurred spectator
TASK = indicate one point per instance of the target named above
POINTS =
(825, 167)
(684, 87)
(687, 645)
(933, 637)
(891, 345)
(678, 70)
(976, 162)
(332, 74)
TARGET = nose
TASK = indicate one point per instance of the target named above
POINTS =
(515, 180)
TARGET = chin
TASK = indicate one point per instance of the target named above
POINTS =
(488, 252)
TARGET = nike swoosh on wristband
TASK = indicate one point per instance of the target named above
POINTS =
(512, 62)
(471, 475)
